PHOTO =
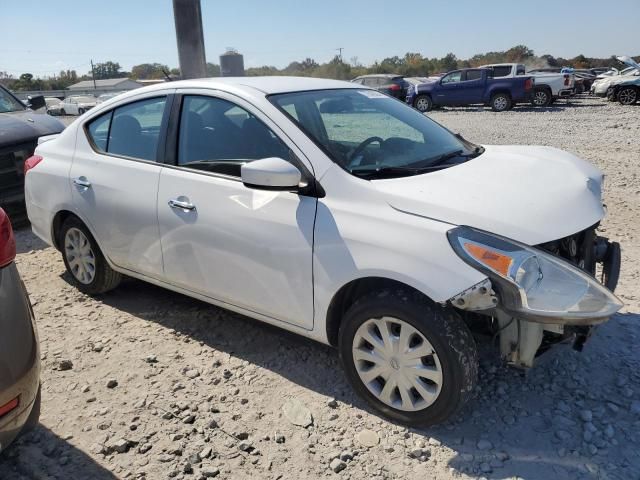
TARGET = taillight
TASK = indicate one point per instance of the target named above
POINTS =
(566, 80)
(31, 162)
(528, 84)
(7, 240)
(9, 406)
(395, 87)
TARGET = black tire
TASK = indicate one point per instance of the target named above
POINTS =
(444, 330)
(63, 112)
(541, 97)
(628, 95)
(500, 102)
(423, 103)
(80, 111)
(104, 278)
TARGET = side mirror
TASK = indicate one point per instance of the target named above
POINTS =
(270, 174)
(36, 102)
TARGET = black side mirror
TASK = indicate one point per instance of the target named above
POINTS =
(36, 102)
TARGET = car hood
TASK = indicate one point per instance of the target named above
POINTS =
(627, 60)
(18, 127)
(530, 194)
(616, 79)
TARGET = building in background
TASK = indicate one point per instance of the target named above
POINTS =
(231, 64)
(108, 84)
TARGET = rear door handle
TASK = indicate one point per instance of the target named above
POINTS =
(182, 205)
(82, 182)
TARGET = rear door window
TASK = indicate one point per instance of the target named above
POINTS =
(473, 75)
(132, 130)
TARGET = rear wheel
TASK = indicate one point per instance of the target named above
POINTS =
(541, 97)
(423, 103)
(501, 102)
(413, 361)
(628, 95)
(80, 111)
(84, 261)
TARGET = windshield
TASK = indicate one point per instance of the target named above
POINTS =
(8, 103)
(370, 134)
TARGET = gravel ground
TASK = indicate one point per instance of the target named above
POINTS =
(145, 383)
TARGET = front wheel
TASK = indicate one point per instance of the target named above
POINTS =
(501, 102)
(85, 262)
(413, 361)
(628, 96)
(423, 103)
(80, 111)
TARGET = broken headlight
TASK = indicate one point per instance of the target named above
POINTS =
(534, 284)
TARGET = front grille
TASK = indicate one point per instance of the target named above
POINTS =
(12, 176)
(577, 249)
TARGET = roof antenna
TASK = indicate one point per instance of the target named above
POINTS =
(166, 75)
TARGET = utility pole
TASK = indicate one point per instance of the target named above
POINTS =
(93, 75)
(340, 54)
(187, 15)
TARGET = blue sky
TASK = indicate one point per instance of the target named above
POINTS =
(43, 37)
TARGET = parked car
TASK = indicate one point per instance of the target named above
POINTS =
(470, 86)
(627, 92)
(548, 86)
(393, 85)
(333, 211)
(603, 87)
(19, 131)
(19, 352)
(106, 96)
(53, 105)
(77, 104)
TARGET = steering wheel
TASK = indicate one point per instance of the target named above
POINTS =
(360, 148)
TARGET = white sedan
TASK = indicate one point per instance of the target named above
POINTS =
(338, 213)
(77, 105)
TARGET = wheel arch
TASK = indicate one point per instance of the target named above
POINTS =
(350, 292)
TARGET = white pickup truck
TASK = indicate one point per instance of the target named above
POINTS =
(548, 86)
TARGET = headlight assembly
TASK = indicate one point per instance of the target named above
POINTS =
(533, 284)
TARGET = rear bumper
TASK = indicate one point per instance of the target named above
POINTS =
(19, 355)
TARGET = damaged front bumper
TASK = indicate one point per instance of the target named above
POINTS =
(525, 333)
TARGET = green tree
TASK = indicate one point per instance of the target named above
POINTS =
(108, 70)
(149, 71)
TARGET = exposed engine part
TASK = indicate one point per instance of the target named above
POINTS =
(476, 298)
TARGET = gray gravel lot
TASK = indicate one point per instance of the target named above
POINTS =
(165, 386)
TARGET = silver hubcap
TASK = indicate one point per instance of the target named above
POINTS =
(500, 103)
(627, 96)
(80, 257)
(422, 104)
(397, 364)
(540, 98)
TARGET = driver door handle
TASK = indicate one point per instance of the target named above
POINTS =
(82, 182)
(181, 205)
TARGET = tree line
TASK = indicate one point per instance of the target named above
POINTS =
(411, 64)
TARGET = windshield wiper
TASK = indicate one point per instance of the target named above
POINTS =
(381, 172)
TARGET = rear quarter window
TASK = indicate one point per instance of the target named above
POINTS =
(98, 131)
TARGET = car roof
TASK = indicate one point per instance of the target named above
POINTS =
(383, 75)
(267, 85)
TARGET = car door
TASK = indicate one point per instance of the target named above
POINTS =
(471, 88)
(238, 245)
(448, 92)
(114, 181)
